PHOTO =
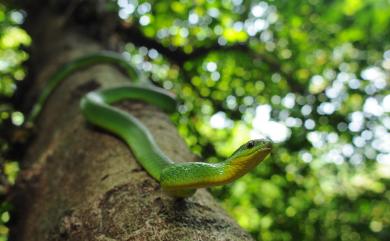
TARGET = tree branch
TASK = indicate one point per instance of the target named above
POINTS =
(78, 183)
(177, 55)
(132, 33)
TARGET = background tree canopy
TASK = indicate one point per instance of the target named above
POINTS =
(311, 75)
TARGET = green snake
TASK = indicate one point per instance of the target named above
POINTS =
(177, 179)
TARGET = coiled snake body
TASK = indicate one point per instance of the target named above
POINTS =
(177, 179)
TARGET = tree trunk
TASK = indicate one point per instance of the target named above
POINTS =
(80, 183)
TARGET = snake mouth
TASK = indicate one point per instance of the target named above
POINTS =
(265, 149)
(262, 153)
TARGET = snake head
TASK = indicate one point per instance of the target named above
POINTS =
(246, 157)
(258, 146)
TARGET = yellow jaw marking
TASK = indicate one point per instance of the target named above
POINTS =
(240, 166)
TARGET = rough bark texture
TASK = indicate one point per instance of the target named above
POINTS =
(80, 183)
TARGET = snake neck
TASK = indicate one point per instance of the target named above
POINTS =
(235, 167)
(188, 176)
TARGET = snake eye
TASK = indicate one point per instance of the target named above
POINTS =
(250, 144)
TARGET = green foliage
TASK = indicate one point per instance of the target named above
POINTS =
(12, 38)
(315, 79)
(311, 75)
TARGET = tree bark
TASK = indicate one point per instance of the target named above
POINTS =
(80, 183)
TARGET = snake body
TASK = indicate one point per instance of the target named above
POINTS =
(177, 179)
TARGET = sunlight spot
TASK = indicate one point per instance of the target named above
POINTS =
(215, 76)
(147, 66)
(123, 3)
(309, 124)
(371, 73)
(4, 65)
(306, 110)
(17, 17)
(317, 84)
(260, 25)
(332, 137)
(168, 84)
(163, 33)
(222, 41)
(384, 159)
(366, 134)
(137, 59)
(376, 226)
(250, 29)
(126, 9)
(184, 32)
(277, 131)
(357, 121)
(144, 8)
(359, 141)
(306, 157)
(371, 106)
(5, 217)
(386, 103)
(386, 64)
(144, 20)
(289, 101)
(382, 142)
(259, 9)
(275, 99)
(293, 122)
(213, 12)
(356, 159)
(153, 54)
(211, 66)
(326, 108)
(335, 157)
(266, 36)
(231, 102)
(285, 53)
(376, 76)
(335, 90)
(315, 138)
(17, 118)
(347, 150)
(220, 121)
(354, 84)
(263, 113)
(238, 26)
(193, 18)
(272, 16)
(386, 54)
(218, 30)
